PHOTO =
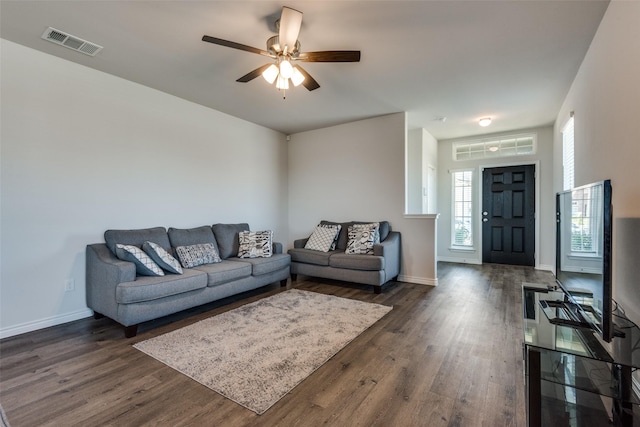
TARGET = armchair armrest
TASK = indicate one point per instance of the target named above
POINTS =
(390, 250)
(276, 247)
(299, 243)
(104, 272)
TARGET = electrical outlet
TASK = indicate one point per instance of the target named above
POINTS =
(69, 285)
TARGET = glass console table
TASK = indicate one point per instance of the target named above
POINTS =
(573, 377)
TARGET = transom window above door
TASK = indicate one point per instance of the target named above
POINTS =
(505, 146)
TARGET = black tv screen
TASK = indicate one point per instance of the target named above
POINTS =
(583, 252)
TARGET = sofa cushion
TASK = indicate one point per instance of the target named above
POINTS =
(146, 288)
(137, 237)
(308, 256)
(192, 236)
(162, 257)
(362, 237)
(255, 244)
(145, 266)
(323, 238)
(266, 265)
(357, 262)
(225, 271)
(227, 238)
(195, 255)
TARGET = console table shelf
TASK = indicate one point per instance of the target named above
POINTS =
(571, 383)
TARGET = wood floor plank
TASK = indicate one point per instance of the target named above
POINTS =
(449, 355)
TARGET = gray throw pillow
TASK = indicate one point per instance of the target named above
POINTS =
(195, 255)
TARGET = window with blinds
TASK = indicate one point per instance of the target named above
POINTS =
(462, 227)
(586, 204)
(568, 171)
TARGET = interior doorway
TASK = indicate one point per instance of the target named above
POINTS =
(508, 215)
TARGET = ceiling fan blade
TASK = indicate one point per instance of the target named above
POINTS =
(330, 56)
(235, 45)
(253, 74)
(290, 23)
(309, 82)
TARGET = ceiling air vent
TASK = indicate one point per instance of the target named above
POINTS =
(72, 42)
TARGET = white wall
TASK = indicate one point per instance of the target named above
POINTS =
(605, 97)
(83, 151)
(356, 171)
(543, 158)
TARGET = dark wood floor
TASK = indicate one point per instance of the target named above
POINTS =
(449, 355)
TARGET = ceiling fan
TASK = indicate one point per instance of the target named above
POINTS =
(284, 49)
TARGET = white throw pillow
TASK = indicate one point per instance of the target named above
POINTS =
(322, 238)
(144, 265)
(255, 244)
(162, 257)
(362, 237)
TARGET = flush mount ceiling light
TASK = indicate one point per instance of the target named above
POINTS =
(285, 50)
(485, 121)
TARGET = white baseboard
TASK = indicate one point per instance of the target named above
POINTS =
(418, 280)
(545, 267)
(44, 323)
(459, 260)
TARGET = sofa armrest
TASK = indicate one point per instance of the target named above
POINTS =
(390, 250)
(276, 247)
(104, 272)
(299, 243)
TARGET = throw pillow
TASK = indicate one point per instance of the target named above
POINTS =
(322, 238)
(162, 257)
(195, 255)
(362, 237)
(337, 227)
(144, 265)
(255, 244)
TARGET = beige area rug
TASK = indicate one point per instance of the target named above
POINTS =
(257, 353)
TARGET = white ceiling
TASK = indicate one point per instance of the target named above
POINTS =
(512, 60)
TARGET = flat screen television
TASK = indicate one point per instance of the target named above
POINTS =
(583, 254)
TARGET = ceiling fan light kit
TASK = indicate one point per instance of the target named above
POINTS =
(284, 49)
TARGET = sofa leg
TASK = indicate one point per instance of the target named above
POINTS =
(377, 289)
(97, 315)
(283, 283)
(294, 277)
(130, 331)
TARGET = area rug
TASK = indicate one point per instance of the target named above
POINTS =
(257, 353)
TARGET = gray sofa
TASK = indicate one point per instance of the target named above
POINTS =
(376, 269)
(114, 290)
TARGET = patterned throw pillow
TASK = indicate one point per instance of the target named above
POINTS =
(338, 228)
(362, 237)
(255, 244)
(162, 257)
(195, 255)
(144, 265)
(322, 238)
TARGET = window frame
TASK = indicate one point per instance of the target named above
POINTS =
(568, 154)
(471, 193)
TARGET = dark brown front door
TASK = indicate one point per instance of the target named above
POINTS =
(508, 215)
